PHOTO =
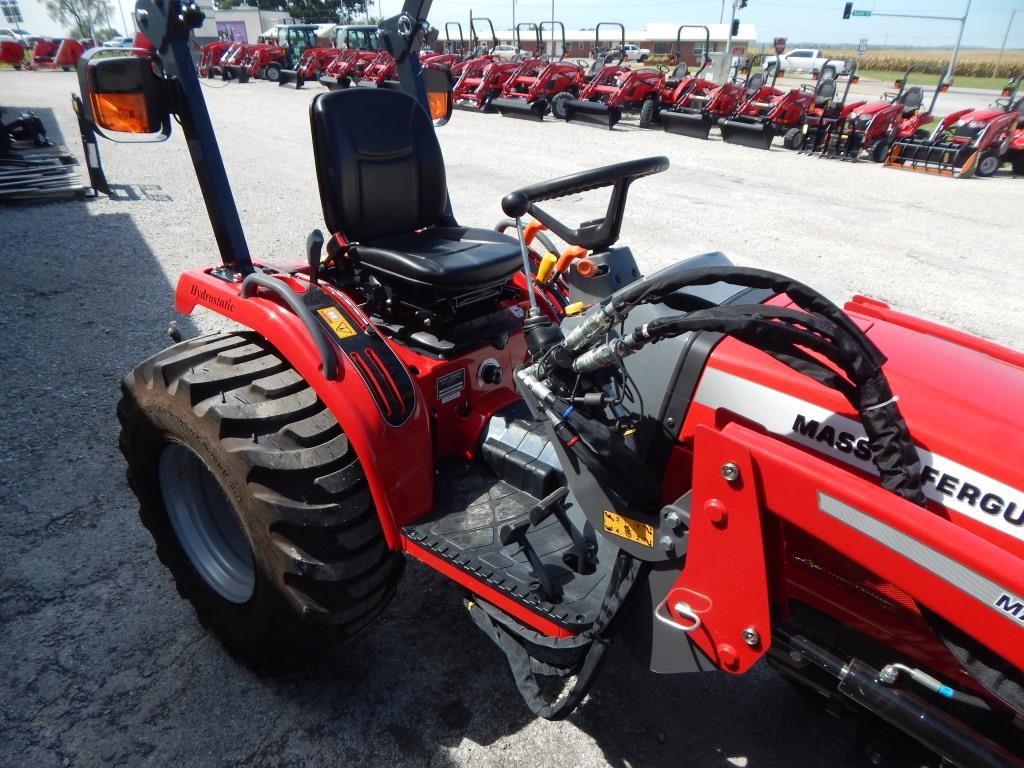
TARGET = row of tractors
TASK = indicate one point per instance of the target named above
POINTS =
(44, 54)
(814, 118)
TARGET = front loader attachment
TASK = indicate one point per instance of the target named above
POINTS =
(943, 158)
(521, 108)
(592, 113)
(696, 125)
(235, 72)
(756, 135)
(332, 83)
(291, 76)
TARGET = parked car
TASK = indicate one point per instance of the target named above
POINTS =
(807, 60)
(119, 42)
(631, 52)
(15, 35)
(506, 52)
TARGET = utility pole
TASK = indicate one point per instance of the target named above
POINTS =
(721, 13)
(1002, 48)
(728, 42)
(956, 48)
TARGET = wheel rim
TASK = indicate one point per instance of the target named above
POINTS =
(273, 74)
(205, 524)
(988, 165)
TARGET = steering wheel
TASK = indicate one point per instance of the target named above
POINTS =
(597, 235)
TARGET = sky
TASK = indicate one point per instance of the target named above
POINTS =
(799, 20)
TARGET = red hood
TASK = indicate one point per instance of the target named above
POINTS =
(984, 115)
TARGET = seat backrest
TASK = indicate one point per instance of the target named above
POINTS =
(912, 99)
(378, 163)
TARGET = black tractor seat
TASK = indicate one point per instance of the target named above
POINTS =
(912, 99)
(383, 188)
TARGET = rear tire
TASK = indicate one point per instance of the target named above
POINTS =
(558, 104)
(988, 163)
(221, 429)
(794, 139)
(648, 113)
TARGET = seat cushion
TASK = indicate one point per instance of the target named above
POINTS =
(450, 259)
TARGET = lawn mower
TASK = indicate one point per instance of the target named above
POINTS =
(756, 123)
(209, 58)
(713, 463)
(695, 113)
(872, 127)
(346, 68)
(969, 142)
(529, 92)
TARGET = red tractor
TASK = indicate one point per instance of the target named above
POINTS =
(481, 82)
(695, 113)
(715, 464)
(346, 68)
(615, 90)
(756, 123)
(379, 71)
(12, 53)
(231, 61)
(311, 65)
(871, 128)
(971, 142)
(530, 92)
(820, 122)
(211, 55)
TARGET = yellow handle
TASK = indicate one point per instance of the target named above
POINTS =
(546, 265)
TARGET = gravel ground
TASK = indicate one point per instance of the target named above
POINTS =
(102, 664)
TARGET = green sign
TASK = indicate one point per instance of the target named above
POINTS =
(861, 13)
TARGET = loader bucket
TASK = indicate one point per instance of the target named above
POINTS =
(941, 158)
(756, 135)
(693, 124)
(592, 112)
(334, 84)
(290, 76)
(521, 108)
(235, 72)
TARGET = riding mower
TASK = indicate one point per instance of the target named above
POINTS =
(713, 463)
(969, 142)
(529, 92)
(695, 113)
(871, 128)
(756, 123)
(209, 58)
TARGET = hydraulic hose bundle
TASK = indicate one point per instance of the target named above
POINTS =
(798, 339)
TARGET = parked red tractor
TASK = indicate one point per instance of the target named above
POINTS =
(872, 127)
(311, 65)
(529, 92)
(12, 53)
(821, 121)
(346, 68)
(615, 90)
(714, 463)
(969, 142)
(211, 55)
(695, 113)
(481, 82)
(231, 61)
(756, 123)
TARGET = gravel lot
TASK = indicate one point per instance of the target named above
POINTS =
(102, 664)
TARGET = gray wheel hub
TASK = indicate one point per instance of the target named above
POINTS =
(205, 524)
(989, 165)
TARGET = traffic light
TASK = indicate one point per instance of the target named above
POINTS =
(847, 10)
(735, 27)
(743, 3)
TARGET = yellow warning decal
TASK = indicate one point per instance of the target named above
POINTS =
(634, 530)
(341, 327)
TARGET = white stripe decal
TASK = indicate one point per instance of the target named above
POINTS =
(950, 483)
(971, 583)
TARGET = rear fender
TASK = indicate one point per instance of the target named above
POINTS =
(398, 469)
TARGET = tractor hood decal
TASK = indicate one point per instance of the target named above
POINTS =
(947, 482)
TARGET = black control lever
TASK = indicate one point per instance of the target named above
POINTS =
(579, 558)
(314, 246)
(516, 534)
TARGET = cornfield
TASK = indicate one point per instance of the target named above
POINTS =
(968, 63)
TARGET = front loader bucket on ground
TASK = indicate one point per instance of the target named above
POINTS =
(287, 76)
(522, 109)
(334, 84)
(592, 112)
(693, 124)
(942, 158)
(235, 72)
(756, 135)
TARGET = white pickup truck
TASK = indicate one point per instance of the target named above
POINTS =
(807, 60)
(633, 52)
